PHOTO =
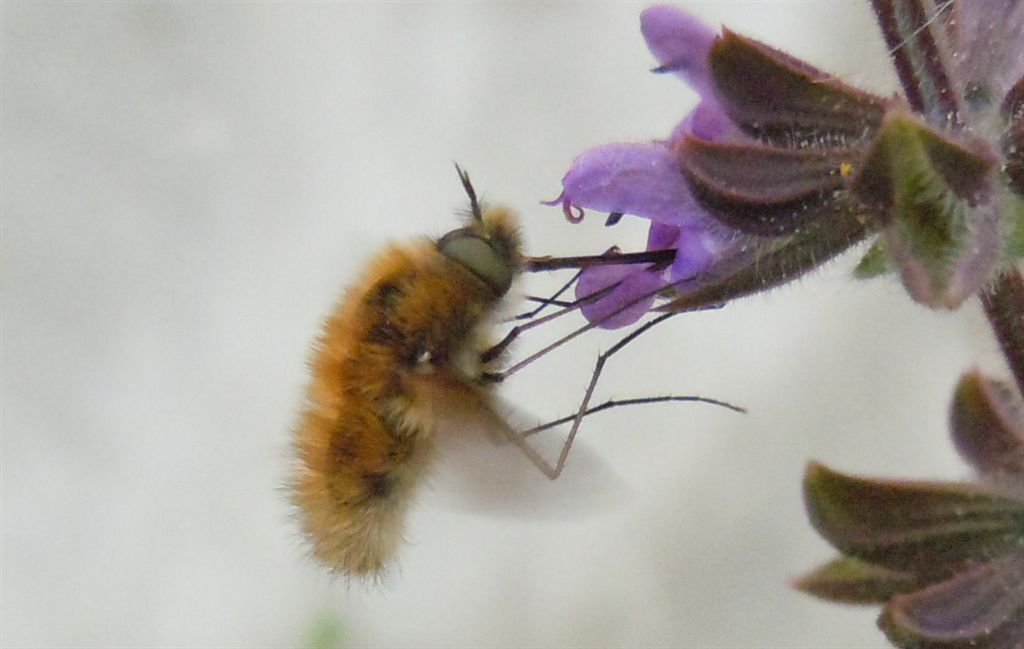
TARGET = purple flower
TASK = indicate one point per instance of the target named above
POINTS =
(644, 179)
(937, 172)
(946, 559)
(781, 166)
(943, 176)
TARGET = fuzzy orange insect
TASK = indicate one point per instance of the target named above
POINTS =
(398, 362)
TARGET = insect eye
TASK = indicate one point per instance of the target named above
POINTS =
(478, 257)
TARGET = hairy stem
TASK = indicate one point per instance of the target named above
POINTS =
(1004, 306)
(914, 30)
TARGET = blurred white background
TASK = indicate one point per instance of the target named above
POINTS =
(186, 188)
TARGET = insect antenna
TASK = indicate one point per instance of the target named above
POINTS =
(467, 184)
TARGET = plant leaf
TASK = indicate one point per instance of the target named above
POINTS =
(852, 581)
(925, 528)
(980, 608)
(987, 421)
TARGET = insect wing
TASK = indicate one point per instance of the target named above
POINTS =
(482, 469)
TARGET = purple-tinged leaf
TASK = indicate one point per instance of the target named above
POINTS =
(987, 420)
(775, 96)
(927, 528)
(980, 608)
(851, 581)
(1003, 302)
(761, 190)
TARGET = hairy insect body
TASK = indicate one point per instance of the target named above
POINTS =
(398, 363)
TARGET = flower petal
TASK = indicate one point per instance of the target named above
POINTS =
(661, 236)
(696, 250)
(852, 581)
(639, 179)
(626, 303)
(927, 528)
(987, 420)
(982, 607)
(681, 43)
(708, 121)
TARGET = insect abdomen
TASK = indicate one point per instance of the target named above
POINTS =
(382, 371)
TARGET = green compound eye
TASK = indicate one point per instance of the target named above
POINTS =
(479, 257)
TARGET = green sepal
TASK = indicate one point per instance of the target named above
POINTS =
(935, 196)
(874, 263)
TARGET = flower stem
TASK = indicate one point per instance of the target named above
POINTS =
(1004, 305)
(914, 31)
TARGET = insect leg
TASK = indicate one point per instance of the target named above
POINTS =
(544, 302)
(495, 351)
(490, 354)
(602, 358)
(536, 264)
(552, 472)
(640, 401)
